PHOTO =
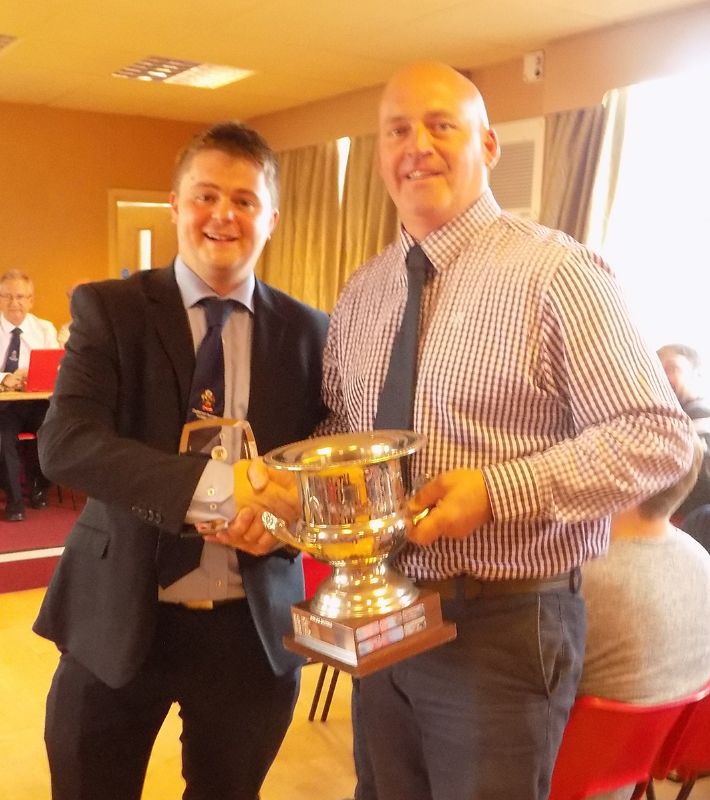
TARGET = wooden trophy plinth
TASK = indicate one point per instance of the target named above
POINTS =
(364, 645)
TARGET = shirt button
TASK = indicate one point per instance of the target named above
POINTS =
(213, 506)
(211, 491)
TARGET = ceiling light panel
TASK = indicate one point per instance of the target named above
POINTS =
(184, 73)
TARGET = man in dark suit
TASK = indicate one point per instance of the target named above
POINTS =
(137, 629)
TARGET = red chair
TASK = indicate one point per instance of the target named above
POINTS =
(686, 752)
(26, 439)
(314, 573)
(608, 745)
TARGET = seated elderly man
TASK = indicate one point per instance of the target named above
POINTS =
(648, 607)
(20, 332)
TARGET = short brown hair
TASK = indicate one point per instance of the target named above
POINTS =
(666, 502)
(238, 141)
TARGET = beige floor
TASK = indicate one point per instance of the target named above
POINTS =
(314, 762)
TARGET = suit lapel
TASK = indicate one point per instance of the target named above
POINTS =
(269, 331)
(172, 326)
(173, 330)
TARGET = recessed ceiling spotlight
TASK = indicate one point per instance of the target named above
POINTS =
(184, 73)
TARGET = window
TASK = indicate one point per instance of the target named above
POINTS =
(655, 234)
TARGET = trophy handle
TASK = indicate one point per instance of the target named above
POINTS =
(418, 482)
(417, 518)
(249, 442)
(278, 528)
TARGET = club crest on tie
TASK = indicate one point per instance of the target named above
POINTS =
(207, 401)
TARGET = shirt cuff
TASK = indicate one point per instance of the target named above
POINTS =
(213, 497)
(512, 490)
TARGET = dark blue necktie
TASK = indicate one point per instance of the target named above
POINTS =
(12, 360)
(395, 408)
(176, 557)
(207, 391)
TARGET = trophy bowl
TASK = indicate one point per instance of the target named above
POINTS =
(353, 515)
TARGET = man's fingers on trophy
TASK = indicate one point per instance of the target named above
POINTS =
(258, 475)
(429, 527)
(427, 495)
(236, 528)
(260, 541)
(283, 478)
(210, 527)
(244, 519)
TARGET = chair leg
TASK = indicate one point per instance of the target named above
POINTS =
(640, 789)
(329, 696)
(686, 789)
(316, 694)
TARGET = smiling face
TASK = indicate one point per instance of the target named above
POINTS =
(224, 215)
(435, 146)
(16, 298)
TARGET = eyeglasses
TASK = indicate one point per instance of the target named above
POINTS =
(18, 297)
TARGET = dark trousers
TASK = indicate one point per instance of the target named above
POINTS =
(234, 712)
(21, 416)
(365, 786)
(479, 718)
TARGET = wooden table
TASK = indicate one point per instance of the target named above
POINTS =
(24, 396)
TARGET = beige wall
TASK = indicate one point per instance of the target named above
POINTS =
(578, 71)
(56, 170)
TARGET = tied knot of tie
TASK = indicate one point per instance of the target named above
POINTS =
(395, 408)
(417, 265)
(216, 310)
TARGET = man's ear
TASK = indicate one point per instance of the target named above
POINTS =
(172, 199)
(274, 220)
(491, 147)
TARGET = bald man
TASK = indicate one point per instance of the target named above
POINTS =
(543, 412)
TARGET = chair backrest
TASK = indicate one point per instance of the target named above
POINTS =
(608, 744)
(687, 748)
(314, 573)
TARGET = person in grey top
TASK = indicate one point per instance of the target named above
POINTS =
(648, 607)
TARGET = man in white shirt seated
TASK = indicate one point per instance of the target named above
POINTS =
(20, 332)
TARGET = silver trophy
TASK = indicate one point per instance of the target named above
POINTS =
(354, 516)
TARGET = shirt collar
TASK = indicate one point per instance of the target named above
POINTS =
(444, 244)
(193, 288)
(9, 327)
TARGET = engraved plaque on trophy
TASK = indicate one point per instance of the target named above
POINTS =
(354, 516)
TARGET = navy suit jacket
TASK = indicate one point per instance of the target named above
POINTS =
(112, 432)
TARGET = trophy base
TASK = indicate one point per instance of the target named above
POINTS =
(360, 646)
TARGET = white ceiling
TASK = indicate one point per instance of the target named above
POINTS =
(300, 50)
